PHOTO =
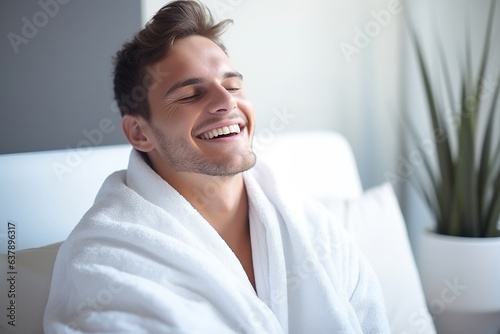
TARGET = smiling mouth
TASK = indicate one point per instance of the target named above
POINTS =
(224, 131)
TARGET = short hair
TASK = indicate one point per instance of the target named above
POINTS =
(173, 21)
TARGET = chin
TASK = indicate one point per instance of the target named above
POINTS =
(233, 167)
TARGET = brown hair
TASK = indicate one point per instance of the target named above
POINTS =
(175, 20)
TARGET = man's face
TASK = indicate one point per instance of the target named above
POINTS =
(201, 119)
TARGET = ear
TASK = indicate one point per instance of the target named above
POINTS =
(135, 129)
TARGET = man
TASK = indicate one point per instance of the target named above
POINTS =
(191, 238)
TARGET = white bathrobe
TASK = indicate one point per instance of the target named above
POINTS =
(143, 260)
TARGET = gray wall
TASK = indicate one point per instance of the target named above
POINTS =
(56, 72)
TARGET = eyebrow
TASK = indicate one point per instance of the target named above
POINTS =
(196, 81)
(233, 74)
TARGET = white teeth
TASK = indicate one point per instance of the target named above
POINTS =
(225, 130)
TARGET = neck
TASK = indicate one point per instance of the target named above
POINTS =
(223, 202)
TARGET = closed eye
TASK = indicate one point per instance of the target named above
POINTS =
(189, 98)
(191, 95)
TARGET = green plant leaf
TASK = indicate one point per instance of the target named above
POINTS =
(446, 72)
(486, 49)
(429, 193)
(444, 156)
(429, 171)
(487, 170)
(469, 88)
(465, 207)
(430, 200)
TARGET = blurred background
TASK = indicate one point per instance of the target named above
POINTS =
(336, 65)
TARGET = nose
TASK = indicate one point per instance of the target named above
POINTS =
(221, 100)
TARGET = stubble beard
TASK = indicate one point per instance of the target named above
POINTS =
(182, 158)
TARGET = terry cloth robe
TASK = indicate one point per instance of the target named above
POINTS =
(143, 260)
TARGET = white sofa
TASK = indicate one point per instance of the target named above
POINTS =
(45, 194)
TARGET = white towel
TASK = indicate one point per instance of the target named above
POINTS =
(143, 260)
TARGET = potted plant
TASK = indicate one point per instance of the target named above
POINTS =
(459, 261)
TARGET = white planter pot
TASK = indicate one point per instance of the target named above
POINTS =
(461, 281)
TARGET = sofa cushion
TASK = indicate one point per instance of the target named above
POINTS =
(33, 269)
(375, 221)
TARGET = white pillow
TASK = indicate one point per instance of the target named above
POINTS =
(376, 223)
(33, 269)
